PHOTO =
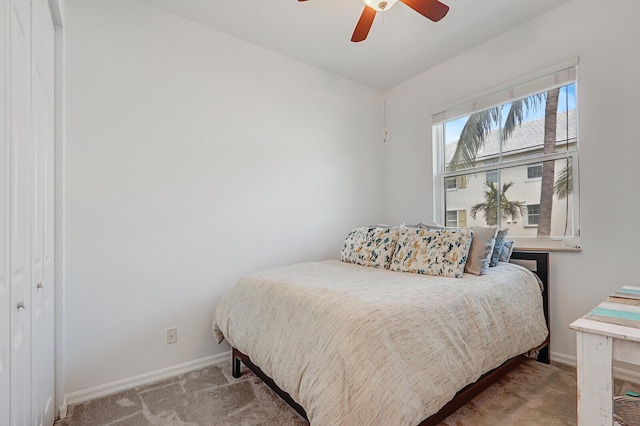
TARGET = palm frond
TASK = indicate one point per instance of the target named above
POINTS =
(564, 184)
(519, 110)
(480, 124)
(472, 138)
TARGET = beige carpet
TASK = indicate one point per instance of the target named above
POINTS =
(533, 394)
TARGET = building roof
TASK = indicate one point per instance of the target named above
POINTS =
(526, 137)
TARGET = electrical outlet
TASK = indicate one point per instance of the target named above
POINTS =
(172, 335)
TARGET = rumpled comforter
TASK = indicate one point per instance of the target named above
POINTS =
(364, 346)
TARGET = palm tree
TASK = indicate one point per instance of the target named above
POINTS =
(480, 124)
(508, 209)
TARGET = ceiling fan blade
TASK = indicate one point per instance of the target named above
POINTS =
(364, 24)
(432, 9)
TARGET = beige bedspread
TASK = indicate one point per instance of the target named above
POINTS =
(363, 346)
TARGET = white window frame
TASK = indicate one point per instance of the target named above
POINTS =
(528, 224)
(453, 188)
(551, 77)
(457, 212)
(537, 178)
(486, 176)
(446, 219)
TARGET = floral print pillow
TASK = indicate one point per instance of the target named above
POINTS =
(353, 245)
(372, 247)
(440, 252)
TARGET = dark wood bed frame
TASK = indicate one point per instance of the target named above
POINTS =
(469, 392)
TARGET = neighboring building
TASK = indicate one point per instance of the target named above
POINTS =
(465, 191)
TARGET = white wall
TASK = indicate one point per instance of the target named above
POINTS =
(606, 42)
(192, 158)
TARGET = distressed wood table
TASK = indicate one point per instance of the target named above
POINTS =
(610, 331)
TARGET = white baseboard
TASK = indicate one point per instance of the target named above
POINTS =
(626, 375)
(62, 411)
(563, 359)
(618, 373)
(142, 379)
(165, 373)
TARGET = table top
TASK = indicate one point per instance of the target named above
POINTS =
(618, 316)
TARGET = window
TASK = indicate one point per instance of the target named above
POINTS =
(451, 183)
(459, 182)
(533, 214)
(491, 176)
(499, 146)
(456, 219)
(534, 171)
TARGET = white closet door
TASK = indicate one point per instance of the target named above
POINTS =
(5, 299)
(48, 344)
(37, 221)
(48, 381)
(42, 315)
(21, 191)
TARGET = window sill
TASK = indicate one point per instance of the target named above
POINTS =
(550, 249)
(568, 245)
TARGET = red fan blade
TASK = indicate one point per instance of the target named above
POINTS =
(431, 9)
(364, 24)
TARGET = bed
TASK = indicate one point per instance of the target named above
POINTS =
(345, 344)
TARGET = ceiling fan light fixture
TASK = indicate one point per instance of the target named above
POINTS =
(430, 9)
(380, 5)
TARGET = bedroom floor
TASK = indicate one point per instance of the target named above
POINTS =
(532, 394)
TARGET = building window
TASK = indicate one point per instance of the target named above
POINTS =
(498, 146)
(458, 182)
(451, 183)
(534, 171)
(491, 176)
(533, 214)
(456, 219)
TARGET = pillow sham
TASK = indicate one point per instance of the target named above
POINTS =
(481, 249)
(353, 244)
(497, 248)
(371, 246)
(440, 252)
(507, 249)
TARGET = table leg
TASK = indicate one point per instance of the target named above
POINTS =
(595, 381)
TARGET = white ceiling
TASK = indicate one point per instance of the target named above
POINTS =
(401, 44)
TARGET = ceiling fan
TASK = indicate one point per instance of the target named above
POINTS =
(431, 9)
